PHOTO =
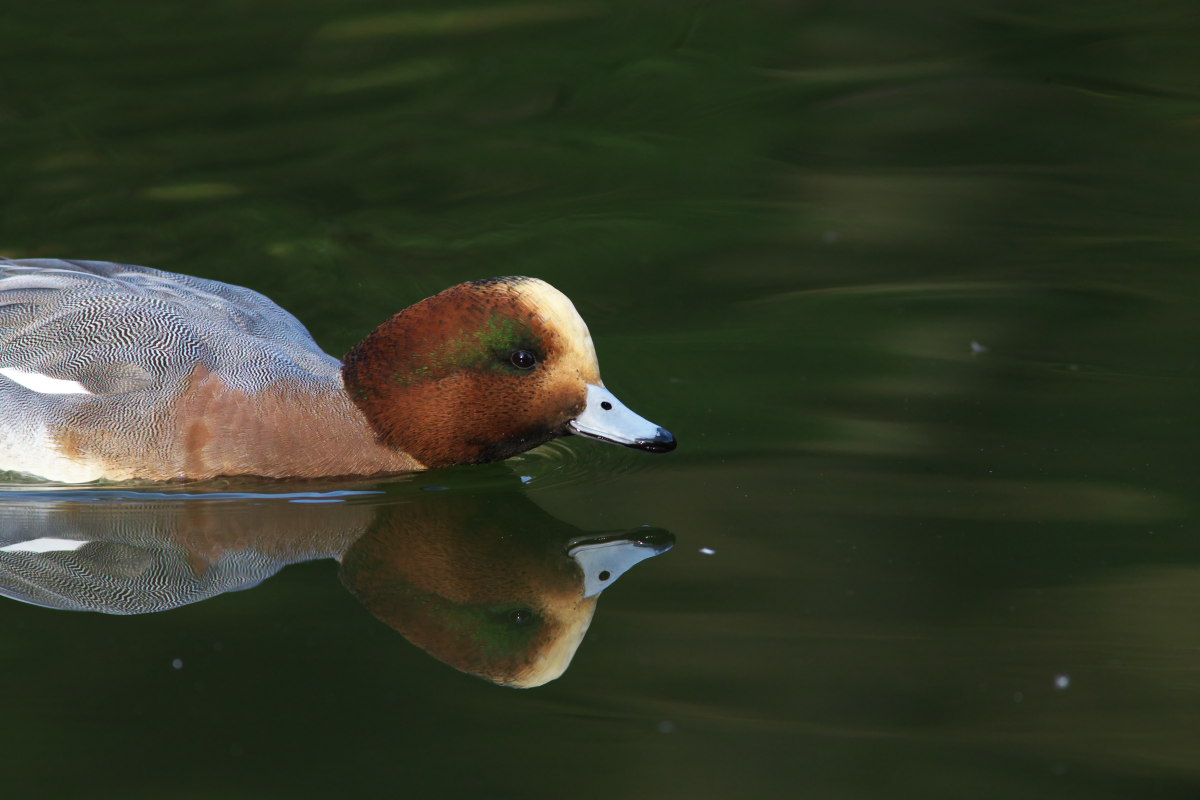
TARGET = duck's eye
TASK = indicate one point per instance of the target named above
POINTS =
(520, 616)
(523, 359)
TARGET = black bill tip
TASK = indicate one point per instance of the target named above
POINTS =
(661, 442)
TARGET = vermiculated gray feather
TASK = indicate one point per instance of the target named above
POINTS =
(132, 337)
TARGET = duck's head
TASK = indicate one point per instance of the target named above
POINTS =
(486, 370)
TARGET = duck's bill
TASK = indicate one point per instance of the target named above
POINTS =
(606, 418)
(604, 557)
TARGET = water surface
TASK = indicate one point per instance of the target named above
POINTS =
(915, 289)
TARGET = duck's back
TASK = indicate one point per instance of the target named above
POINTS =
(98, 357)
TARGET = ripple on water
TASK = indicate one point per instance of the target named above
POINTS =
(562, 462)
(24, 492)
(566, 462)
(17, 488)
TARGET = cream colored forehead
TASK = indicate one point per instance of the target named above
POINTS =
(553, 660)
(557, 313)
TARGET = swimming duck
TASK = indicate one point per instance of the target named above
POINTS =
(116, 372)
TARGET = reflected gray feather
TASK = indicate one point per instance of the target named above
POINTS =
(123, 568)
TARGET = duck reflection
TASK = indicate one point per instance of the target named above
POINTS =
(483, 580)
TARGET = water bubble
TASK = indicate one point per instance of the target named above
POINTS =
(1062, 681)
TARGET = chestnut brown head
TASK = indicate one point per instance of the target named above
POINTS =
(486, 370)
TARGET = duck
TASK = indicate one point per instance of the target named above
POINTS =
(112, 372)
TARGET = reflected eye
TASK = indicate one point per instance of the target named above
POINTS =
(522, 359)
(520, 616)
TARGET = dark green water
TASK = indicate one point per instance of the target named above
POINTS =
(913, 285)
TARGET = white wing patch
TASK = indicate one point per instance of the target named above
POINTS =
(43, 384)
(45, 544)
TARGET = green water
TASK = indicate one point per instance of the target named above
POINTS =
(913, 285)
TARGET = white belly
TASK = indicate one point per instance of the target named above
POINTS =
(32, 451)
